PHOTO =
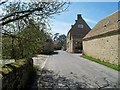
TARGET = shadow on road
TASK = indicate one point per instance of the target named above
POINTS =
(47, 80)
(51, 53)
(55, 52)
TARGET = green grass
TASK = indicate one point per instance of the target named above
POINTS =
(113, 66)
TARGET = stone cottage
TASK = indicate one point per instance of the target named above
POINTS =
(76, 34)
(102, 41)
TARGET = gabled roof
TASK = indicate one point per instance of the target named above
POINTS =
(74, 28)
(108, 24)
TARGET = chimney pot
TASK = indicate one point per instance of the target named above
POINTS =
(78, 16)
(71, 25)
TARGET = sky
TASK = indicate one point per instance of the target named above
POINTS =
(92, 12)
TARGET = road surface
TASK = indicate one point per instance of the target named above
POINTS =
(73, 67)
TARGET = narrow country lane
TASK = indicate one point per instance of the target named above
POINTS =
(82, 70)
(70, 71)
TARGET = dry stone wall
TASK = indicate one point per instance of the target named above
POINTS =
(102, 41)
(104, 48)
(16, 75)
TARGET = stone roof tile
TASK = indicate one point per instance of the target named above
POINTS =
(108, 24)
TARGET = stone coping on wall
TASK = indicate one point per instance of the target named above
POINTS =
(16, 75)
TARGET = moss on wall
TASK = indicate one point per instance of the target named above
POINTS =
(16, 75)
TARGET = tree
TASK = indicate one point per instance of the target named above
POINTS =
(55, 36)
(24, 24)
(59, 41)
(2, 2)
(33, 8)
(26, 43)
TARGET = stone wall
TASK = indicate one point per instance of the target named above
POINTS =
(69, 43)
(102, 41)
(104, 48)
(7, 61)
(16, 75)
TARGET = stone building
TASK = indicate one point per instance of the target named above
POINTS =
(76, 34)
(102, 41)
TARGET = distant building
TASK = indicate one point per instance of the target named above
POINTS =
(102, 42)
(76, 34)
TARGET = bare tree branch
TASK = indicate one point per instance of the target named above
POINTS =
(14, 19)
(44, 9)
(21, 12)
(2, 2)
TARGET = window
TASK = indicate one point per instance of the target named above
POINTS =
(80, 25)
(70, 37)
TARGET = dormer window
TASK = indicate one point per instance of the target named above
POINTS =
(106, 24)
(80, 25)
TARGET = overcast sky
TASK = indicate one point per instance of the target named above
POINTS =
(92, 12)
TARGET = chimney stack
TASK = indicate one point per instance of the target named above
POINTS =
(78, 16)
(72, 26)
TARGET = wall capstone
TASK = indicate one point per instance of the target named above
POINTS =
(16, 75)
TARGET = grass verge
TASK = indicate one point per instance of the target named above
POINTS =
(113, 66)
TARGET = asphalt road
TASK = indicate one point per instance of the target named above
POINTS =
(78, 69)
